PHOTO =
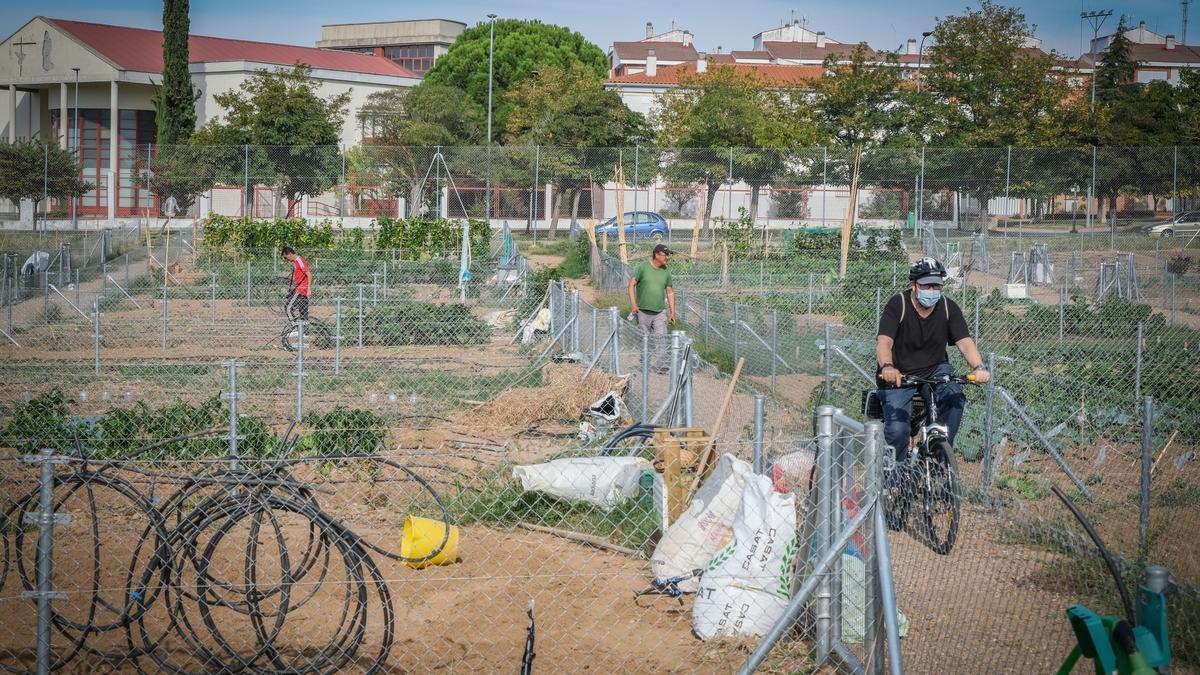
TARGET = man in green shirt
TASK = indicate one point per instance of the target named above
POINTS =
(652, 301)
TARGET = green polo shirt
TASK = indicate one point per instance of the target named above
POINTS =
(652, 284)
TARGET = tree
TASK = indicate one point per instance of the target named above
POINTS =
(401, 129)
(33, 171)
(295, 131)
(859, 103)
(713, 112)
(991, 91)
(521, 49)
(1117, 68)
(175, 100)
(569, 107)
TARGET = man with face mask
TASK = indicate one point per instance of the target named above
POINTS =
(914, 330)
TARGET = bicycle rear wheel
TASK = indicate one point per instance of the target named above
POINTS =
(941, 498)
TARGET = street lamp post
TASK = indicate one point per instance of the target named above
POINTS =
(491, 53)
(920, 55)
(73, 130)
(1097, 19)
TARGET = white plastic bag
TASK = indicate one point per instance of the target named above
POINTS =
(854, 601)
(603, 481)
(747, 585)
(705, 527)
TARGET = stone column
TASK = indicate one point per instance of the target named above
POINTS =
(64, 123)
(12, 113)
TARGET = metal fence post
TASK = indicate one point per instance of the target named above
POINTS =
(1144, 494)
(594, 327)
(360, 315)
(737, 322)
(759, 464)
(774, 350)
(164, 314)
(676, 352)
(878, 292)
(989, 402)
(810, 294)
(872, 607)
(233, 396)
(645, 374)
(706, 321)
(44, 519)
(375, 289)
(247, 282)
(300, 369)
(96, 331)
(575, 333)
(1062, 310)
(686, 364)
(213, 305)
(248, 205)
(828, 362)
(337, 335)
(825, 508)
(977, 308)
(77, 291)
(1137, 367)
(615, 321)
(126, 256)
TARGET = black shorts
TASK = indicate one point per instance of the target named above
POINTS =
(297, 307)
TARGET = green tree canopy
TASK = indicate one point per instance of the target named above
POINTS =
(1116, 70)
(521, 48)
(712, 113)
(863, 103)
(33, 171)
(569, 106)
(294, 129)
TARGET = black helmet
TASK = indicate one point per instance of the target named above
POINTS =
(927, 271)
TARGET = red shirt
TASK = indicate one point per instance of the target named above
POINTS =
(300, 276)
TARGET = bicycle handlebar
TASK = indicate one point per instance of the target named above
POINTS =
(914, 381)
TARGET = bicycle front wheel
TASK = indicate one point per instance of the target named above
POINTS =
(317, 335)
(941, 498)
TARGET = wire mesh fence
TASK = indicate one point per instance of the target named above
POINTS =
(1095, 189)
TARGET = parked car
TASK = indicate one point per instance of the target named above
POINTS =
(638, 224)
(1186, 223)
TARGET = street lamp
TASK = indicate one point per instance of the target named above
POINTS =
(920, 54)
(73, 130)
(491, 53)
(1074, 206)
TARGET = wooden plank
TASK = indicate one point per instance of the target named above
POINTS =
(705, 466)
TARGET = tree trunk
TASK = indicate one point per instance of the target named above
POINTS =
(414, 200)
(713, 186)
(576, 194)
(755, 188)
(555, 202)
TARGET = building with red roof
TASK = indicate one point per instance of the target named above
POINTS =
(89, 87)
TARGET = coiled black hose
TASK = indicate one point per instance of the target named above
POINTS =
(177, 584)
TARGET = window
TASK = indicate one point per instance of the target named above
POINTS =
(416, 58)
(1145, 76)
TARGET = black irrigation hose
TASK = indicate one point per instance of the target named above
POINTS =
(178, 582)
(1126, 600)
(635, 430)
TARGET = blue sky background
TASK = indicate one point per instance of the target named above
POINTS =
(883, 23)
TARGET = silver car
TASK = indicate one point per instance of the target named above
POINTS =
(1187, 223)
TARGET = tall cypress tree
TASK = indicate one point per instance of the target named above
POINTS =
(1116, 69)
(176, 99)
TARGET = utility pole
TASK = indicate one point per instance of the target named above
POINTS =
(487, 209)
(1097, 19)
(1183, 34)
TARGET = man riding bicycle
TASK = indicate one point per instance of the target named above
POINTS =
(914, 329)
(297, 302)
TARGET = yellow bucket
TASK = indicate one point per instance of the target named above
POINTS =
(422, 537)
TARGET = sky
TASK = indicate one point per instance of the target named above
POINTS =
(885, 24)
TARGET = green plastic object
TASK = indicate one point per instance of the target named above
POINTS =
(912, 221)
(1100, 638)
(1152, 615)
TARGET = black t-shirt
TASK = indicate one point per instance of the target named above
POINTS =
(919, 344)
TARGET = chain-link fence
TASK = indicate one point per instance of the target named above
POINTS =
(1075, 360)
(1098, 190)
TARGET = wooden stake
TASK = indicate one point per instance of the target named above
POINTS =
(704, 467)
(1163, 452)
(724, 265)
(579, 536)
(621, 249)
(848, 222)
(701, 200)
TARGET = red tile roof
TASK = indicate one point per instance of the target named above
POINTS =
(744, 55)
(780, 75)
(140, 49)
(663, 51)
(719, 58)
(1160, 53)
(808, 51)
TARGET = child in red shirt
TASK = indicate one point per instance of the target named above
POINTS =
(297, 302)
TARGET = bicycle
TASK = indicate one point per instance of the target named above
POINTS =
(930, 475)
(317, 333)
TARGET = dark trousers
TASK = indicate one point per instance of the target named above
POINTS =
(297, 307)
(897, 410)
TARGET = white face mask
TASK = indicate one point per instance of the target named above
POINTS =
(928, 298)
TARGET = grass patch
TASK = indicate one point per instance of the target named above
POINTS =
(1025, 487)
(1180, 493)
(502, 501)
(166, 372)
